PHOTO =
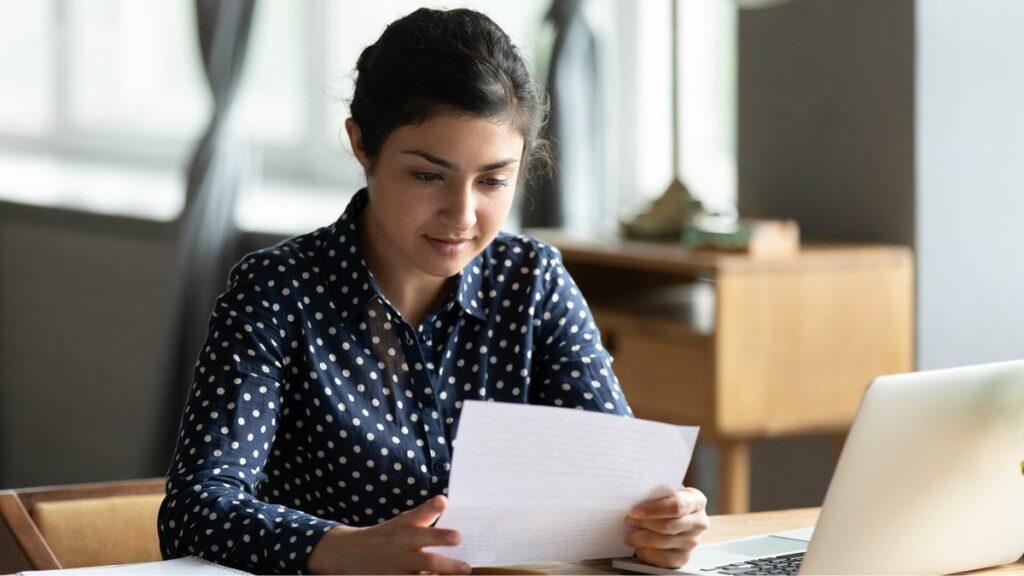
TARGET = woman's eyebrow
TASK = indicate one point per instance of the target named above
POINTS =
(498, 164)
(450, 166)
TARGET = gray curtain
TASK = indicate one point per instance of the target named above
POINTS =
(207, 237)
(575, 123)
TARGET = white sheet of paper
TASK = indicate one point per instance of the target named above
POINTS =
(188, 566)
(538, 483)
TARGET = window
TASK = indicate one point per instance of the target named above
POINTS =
(132, 70)
(120, 81)
(707, 84)
(26, 63)
(708, 81)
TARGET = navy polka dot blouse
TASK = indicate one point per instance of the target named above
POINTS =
(314, 403)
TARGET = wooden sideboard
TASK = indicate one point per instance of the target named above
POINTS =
(747, 348)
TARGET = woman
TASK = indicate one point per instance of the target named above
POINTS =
(318, 431)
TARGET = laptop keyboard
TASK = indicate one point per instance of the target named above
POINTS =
(785, 564)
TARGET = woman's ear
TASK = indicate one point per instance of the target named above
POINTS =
(355, 138)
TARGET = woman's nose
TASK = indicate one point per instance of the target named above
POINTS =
(460, 207)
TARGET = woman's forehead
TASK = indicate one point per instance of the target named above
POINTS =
(463, 140)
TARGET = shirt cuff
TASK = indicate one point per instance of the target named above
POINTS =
(296, 538)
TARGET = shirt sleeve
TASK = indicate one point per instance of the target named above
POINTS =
(570, 366)
(227, 430)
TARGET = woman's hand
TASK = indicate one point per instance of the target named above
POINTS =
(666, 530)
(393, 547)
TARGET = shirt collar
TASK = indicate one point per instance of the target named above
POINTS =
(469, 291)
(353, 285)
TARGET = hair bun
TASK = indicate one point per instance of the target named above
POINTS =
(430, 61)
(365, 57)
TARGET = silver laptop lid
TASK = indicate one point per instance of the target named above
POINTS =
(931, 479)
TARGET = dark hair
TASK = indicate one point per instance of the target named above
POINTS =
(435, 61)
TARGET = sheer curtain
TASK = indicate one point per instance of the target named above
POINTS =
(207, 236)
(575, 124)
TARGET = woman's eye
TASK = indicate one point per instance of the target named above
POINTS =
(426, 176)
(495, 182)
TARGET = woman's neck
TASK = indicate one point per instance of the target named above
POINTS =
(413, 293)
(415, 300)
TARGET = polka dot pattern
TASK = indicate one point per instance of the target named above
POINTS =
(315, 403)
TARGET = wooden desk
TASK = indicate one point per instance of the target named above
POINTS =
(737, 526)
(22, 547)
(746, 348)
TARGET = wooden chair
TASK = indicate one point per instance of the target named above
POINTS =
(79, 525)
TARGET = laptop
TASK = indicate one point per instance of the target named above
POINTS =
(930, 481)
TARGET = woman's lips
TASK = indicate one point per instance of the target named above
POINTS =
(447, 247)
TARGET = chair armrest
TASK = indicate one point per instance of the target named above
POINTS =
(21, 544)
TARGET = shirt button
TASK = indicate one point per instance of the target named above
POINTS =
(408, 339)
(439, 467)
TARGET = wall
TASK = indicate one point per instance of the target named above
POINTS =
(82, 305)
(826, 117)
(970, 192)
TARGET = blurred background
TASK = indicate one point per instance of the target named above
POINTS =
(895, 121)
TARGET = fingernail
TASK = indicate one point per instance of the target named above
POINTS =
(466, 569)
(630, 521)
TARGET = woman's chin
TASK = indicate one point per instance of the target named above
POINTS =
(444, 269)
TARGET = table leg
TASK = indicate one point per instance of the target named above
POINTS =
(734, 480)
(839, 440)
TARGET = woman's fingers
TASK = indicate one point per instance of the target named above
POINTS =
(676, 505)
(697, 521)
(666, 530)
(425, 514)
(437, 564)
(426, 537)
(647, 539)
(664, 558)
